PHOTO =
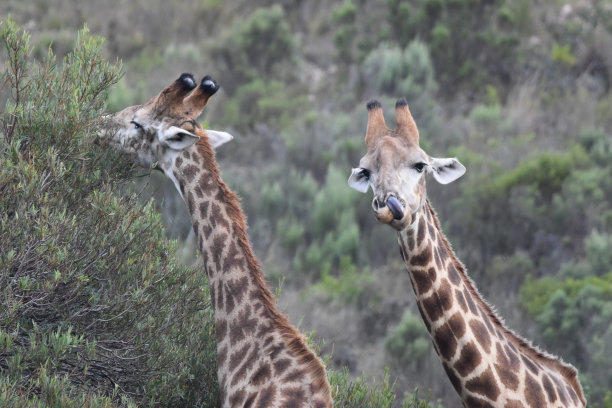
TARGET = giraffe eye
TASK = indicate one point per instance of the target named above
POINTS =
(419, 167)
(136, 124)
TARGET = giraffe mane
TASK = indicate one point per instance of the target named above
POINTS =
(567, 370)
(294, 340)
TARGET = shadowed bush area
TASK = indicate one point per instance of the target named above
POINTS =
(95, 309)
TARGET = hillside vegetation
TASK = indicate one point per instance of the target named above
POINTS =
(519, 91)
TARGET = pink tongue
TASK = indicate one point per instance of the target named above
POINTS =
(396, 208)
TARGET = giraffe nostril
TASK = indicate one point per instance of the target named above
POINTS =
(376, 204)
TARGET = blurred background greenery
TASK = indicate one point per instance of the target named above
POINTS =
(518, 90)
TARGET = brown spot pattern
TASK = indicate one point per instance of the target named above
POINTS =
(468, 359)
(481, 334)
(432, 307)
(281, 365)
(533, 392)
(237, 356)
(474, 402)
(421, 280)
(549, 389)
(267, 397)
(236, 398)
(294, 375)
(457, 325)
(432, 274)
(189, 172)
(461, 300)
(293, 397)
(484, 385)
(445, 340)
(421, 230)
(453, 275)
(445, 294)
(421, 259)
(506, 370)
(204, 205)
(530, 365)
(470, 302)
(220, 329)
(262, 375)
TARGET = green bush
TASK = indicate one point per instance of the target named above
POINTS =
(579, 301)
(343, 17)
(95, 311)
(468, 43)
(409, 343)
(256, 47)
(358, 394)
(562, 54)
(395, 71)
(259, 102)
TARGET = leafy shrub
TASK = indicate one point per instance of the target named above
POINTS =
(409, 342)
(358, 394)
(458, 34)
(562, 54)
(87, 319)
(408, 72)
(261, 101)
(256, 47)
(343, 17)
(582, 302)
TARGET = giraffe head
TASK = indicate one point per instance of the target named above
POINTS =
(395, 167)
(155, 133)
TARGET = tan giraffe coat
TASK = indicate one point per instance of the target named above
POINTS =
(263, 361)
(488, 364)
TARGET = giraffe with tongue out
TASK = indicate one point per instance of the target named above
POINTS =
(487, 363)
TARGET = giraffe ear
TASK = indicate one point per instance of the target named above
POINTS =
(218, 138)
(177, 138)
(446, 170)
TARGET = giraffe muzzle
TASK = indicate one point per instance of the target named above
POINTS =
(391, 211)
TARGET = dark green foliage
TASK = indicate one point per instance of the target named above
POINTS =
(464, 37)
(409, 342)
(258, 102)
(582, 302)
(258, 45)
(406, 72)
(95, 310)
(358, 394)
(343, 18)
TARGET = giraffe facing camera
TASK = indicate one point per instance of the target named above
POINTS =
(487, 363)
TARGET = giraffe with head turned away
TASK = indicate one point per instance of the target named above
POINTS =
(487, 363)
(263, 361)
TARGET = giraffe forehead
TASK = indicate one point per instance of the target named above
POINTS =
(392, 152)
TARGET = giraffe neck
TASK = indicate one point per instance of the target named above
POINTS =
(487, 363)
(262, 359)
